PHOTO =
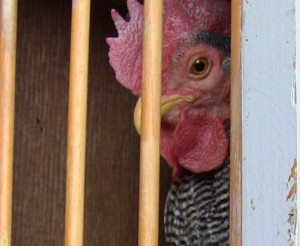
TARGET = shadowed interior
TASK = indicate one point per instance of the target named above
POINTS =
(111, 195)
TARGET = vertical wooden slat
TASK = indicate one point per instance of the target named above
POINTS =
(150, 129)
(236, 127)
(8, 27)
(74, 221)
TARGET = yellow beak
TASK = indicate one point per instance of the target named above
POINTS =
(166, 105)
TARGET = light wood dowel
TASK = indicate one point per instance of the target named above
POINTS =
(150, 129)
(74, 221)
(236, 128)
(8, 27)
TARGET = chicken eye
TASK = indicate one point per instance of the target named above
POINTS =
(200, 66)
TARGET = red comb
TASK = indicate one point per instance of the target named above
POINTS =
(125, 50)
(182, 18)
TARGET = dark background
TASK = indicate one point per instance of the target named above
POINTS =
(112, 174)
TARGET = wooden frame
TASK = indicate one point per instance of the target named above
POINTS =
(297, 174)
(269, 123)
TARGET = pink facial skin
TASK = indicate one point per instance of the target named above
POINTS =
(193, 135)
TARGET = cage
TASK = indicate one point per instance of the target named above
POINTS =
(263, 200)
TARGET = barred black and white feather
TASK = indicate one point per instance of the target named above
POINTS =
(197, 209)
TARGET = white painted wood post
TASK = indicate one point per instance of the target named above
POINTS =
(269, 115)
(298, 109)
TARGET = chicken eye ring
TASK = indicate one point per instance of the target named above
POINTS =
(199, 68)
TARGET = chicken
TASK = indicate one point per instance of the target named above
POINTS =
(195, 109)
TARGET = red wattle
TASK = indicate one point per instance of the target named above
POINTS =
(198, 144)
(201, 144)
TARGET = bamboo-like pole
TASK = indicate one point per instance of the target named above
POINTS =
(8, 30)
(236, 127)
(74, 221)
(150, 128)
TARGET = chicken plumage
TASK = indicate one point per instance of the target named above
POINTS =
(195, 109)
(197, 209)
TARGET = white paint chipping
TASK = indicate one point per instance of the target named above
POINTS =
(297, 66)
(294, 95)
(269, 121)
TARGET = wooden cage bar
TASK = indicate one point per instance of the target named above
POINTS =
(8, 27)
(74, 221)
(236, 127)
(150, 128)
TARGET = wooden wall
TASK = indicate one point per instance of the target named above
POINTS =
(111, 200)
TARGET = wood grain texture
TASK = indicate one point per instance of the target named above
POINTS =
(76, 150)
(8, 30)
(236, 127)
(151, 121)
(112, 171)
